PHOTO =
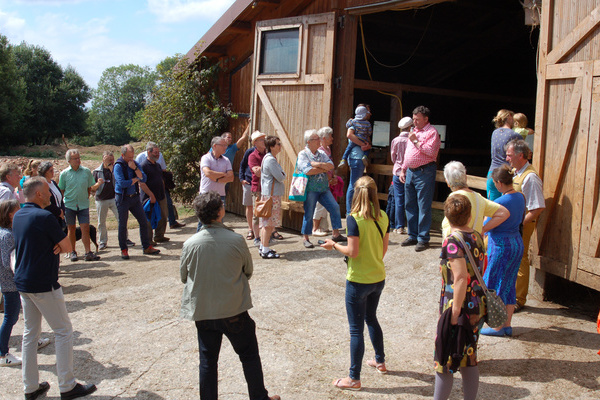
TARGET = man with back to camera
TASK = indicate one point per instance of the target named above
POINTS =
(418, 175)
(217, 298)
(39, 240)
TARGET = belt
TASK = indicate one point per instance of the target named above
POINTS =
(422, 167)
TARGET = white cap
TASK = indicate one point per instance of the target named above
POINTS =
(405, 123)
(256, 135)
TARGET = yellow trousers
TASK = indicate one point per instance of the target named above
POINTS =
(523, 275)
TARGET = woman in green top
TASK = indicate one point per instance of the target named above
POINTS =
(368, 236)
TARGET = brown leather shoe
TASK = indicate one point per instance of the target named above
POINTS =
(151, 250)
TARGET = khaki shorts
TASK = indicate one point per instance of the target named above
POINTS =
(255, 196)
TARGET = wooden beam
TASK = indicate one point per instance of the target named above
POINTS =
(392, 5)
(399, 87)
(570, 70)
(575, 37)
(592, 178)
(242, 27)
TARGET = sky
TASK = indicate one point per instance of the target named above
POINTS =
(92, 35)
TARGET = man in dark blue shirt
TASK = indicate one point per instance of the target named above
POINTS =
(38, 242)
(154, 190)
(127, 176)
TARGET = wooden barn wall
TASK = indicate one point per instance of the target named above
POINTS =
(239, 85)
(567, 148)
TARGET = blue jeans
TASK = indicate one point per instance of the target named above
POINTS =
(12, 306)
(328, 201)
(241, 332)
(133, 204)
(390, 208)
(357, 169)
(361, 306)
(399, 197)
(172, 219)
(419, 188)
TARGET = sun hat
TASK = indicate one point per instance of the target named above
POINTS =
(256, 135)
(405, 123)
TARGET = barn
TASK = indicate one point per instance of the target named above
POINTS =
(293, 65)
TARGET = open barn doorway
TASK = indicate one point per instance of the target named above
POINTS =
(463, 59)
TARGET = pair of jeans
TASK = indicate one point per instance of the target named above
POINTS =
(418, 189)
(390, 208)
(172, 219)
(124, 205)
(362, 300)
(357, 168)
(102, 207)
(399, 198)
(328, 201)
(50, 305)
(12, 306)
(241, 332)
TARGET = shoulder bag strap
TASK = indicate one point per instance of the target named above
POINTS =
(473, 263)
(378, 228)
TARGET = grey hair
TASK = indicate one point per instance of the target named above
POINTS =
(455, 174)
(519, 146)
(125, 148)
(215, 140)
(151, 146)
(32, 185)
(45, 167)
(6, 169)
(224, 134)
(308, 133)
(70, 152)
(325, 132)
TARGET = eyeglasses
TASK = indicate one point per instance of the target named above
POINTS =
(313, 139)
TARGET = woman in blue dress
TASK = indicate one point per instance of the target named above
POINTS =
(505, 248)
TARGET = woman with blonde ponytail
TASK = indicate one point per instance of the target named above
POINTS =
(368, 235)
(31, 170)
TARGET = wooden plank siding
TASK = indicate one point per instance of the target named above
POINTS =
(567, 240)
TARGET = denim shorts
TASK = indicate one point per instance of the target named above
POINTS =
(82, 215)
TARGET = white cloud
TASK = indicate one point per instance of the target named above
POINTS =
(172, 11)
(10, 22)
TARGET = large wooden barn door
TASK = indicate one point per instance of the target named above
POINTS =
(293, 67)
(567, 142)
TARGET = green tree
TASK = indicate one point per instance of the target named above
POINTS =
(13, 103)
(56, 97)
(185, 113)
(122, 92)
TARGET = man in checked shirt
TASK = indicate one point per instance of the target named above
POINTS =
(418, 174)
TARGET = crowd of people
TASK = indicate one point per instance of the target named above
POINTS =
(493, 230)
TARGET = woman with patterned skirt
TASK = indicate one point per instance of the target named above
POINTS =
(462, 303)
(505, 248)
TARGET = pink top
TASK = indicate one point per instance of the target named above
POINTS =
(255, 160)
(429, 145)
(398, 147)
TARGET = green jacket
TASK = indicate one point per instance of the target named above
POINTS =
(215, 268)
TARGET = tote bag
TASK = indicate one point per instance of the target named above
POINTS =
(298, 186)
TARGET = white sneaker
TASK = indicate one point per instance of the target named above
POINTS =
(9, 360)
(43, 342)
(319, 232)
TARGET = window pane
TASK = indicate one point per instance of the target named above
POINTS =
(280, 51)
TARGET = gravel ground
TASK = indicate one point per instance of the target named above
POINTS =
(131, 342)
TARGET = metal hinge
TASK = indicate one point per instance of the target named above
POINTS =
(342, 21)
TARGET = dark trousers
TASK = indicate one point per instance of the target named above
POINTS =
(241, 332)
(172, 219)
(133, 204)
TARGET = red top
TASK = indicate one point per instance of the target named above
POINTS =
(429, 145)
(255, 160)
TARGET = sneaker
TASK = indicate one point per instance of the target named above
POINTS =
(78, 391)
(102, 246)
(421, 246)
(9, 361)
(256, 242)
(342, 164)
(365, 161)
(125, 254)
(161, 239)
(409, 242)
(73, 256)
(319, 232)
(269, 254)
(43, 342)
(91, 257)
(177, 225)
(151, 250)
(339, 238)
(41, 390)
(130, 243)
(308, 244)
(402, 231)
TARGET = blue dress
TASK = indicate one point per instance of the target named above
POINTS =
(505, 249)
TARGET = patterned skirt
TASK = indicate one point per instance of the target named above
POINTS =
(275, 219)
(504, 257)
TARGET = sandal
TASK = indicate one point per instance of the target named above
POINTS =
(277, 235)
(270, 254)
(380, 367)
(250, 235)
(346, 384)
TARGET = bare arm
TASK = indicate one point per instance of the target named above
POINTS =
(350, 250)
(499, 217)
(461, 275)
(352, 136)
(64, 246)
(212, 175)
(147, 190)
(228, 177)
(532, 215)
(244, 139)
